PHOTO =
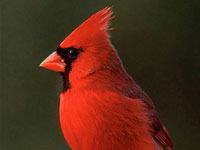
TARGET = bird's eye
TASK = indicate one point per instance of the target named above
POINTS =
(72, 53)
(68, 53)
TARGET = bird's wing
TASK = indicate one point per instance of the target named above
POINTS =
(125, 109)
(159, 132)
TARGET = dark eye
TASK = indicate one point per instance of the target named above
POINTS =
(68, 53)
(72, 53)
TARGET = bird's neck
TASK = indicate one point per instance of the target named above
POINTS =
(105, 77)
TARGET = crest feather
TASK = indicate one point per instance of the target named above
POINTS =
(102, 18)
(95, 24)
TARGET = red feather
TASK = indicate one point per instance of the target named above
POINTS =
(104, 108)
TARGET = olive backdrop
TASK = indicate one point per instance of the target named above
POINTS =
(157, 40)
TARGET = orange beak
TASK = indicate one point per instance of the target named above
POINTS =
(54, 62)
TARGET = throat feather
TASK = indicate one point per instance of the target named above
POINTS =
(65, 78)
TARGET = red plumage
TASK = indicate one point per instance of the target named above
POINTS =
(103, 108)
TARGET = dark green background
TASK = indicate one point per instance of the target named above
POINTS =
(158, 41)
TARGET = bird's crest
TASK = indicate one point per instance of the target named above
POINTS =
(95, 28)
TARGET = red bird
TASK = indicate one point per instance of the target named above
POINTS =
(101, 106)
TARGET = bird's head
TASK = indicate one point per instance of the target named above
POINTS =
(86, 50)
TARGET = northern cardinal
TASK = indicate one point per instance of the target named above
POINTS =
(101, 106)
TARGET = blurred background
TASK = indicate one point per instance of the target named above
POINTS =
(157, 40)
